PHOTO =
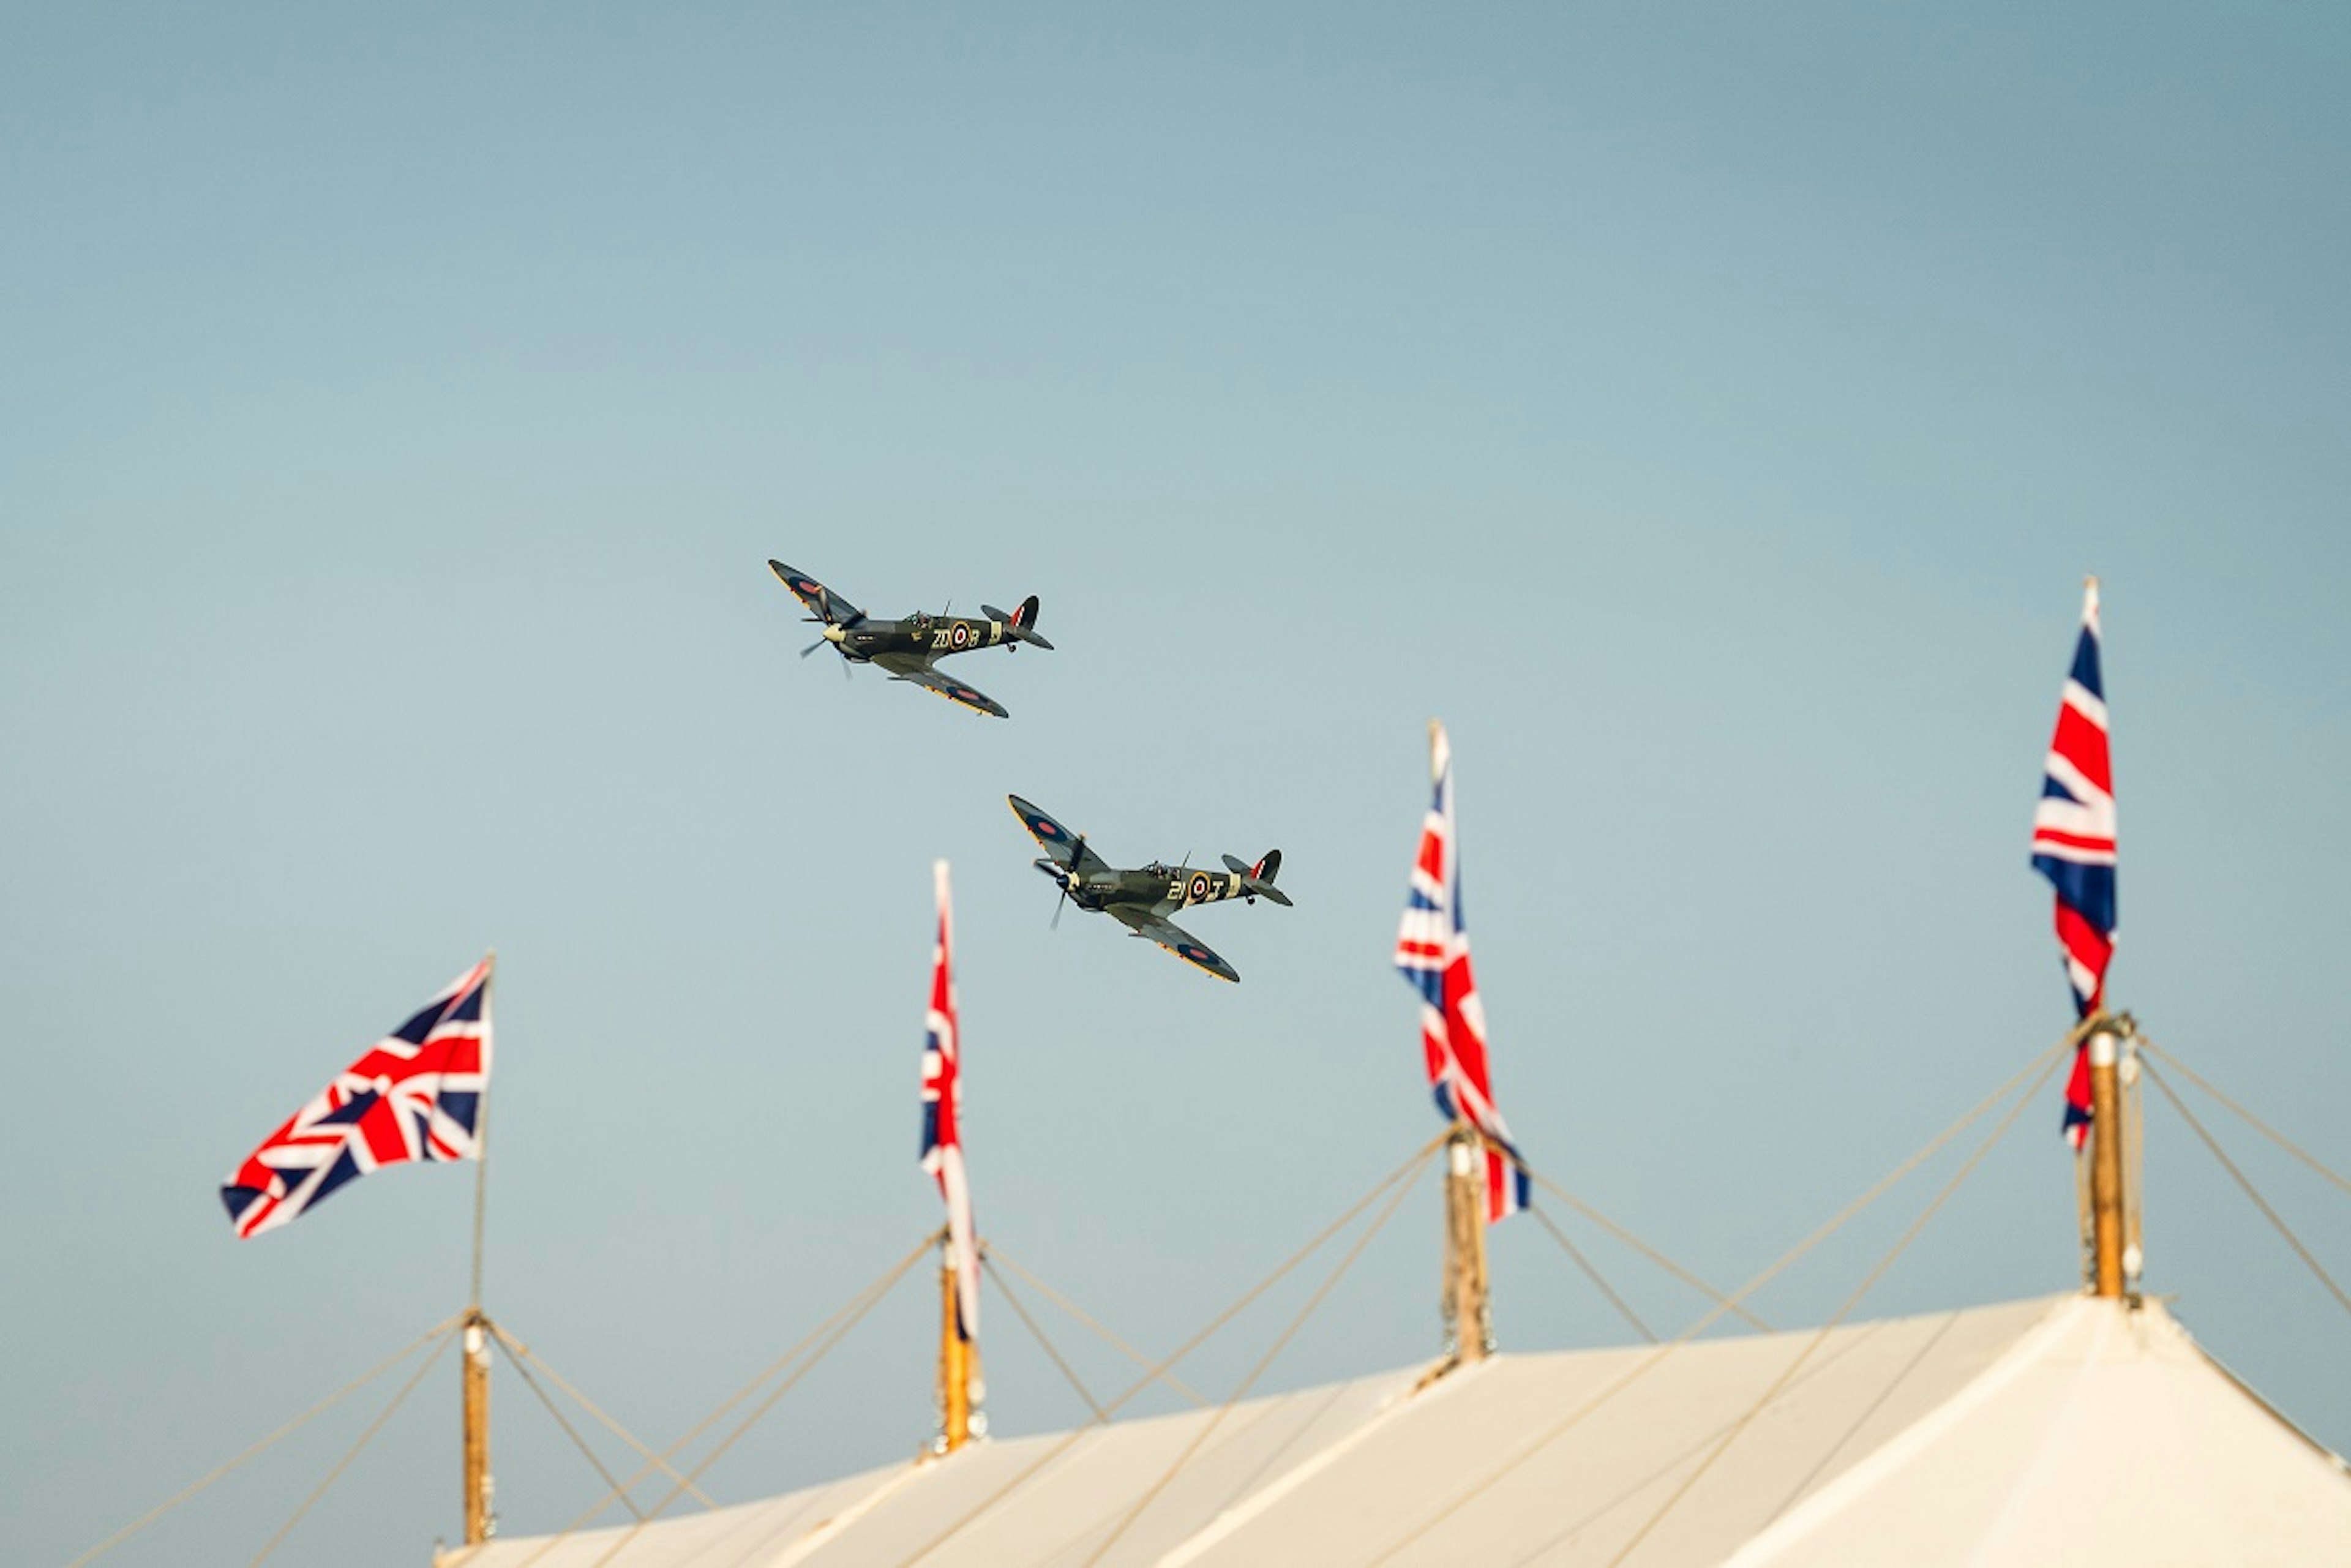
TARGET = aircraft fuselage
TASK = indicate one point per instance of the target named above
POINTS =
(920, 635)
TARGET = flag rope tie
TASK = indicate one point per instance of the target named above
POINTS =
(2148, 1047)
(569, 1430)
(351, 1453)
(857, 1302)
(1087, 1320)
(1281, 1341)
(1068, 1440)
(515, 1349)
(1869, 1282)
(873, 1299)
(1029, 1323)
(1593, 1273)
(2243, 1181)
(320, 1408)
(1884, 1185)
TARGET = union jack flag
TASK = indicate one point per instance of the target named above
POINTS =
(1432, 952)
(943, 1114)
(415, 1095)
(2073, 846)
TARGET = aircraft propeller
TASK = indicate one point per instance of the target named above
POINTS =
(832, 633)
(1077, 858)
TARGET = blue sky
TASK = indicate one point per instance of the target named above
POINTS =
(1709, 414)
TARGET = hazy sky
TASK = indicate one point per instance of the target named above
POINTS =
(1710, 413)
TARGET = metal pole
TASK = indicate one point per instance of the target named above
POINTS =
(481, 1523)
(482, 1142)
(959, 1387)
(1468, 1318)
(2105, 1162)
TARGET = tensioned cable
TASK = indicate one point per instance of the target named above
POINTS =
(873, 1299)
(350, 1454)
(1868, 1283)
(661, 1461)
(1644, 1249)
(320, 1408)
(1593, 1273)
(514, 1348)
(1038, 1333)
(1087, 1320)
(2259, 1202)
(1240, 1392)
(2148, 1047)
(569, 1430)
(1070, 1438)
(1657, 1358)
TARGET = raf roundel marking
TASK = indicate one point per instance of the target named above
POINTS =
(1199, 887)
(1046, 828)
(962, 636)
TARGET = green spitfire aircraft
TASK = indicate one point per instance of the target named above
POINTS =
(1141, 899)
(909, 649)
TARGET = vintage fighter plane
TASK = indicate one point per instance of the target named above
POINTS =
(909, 649)
(1141, 899)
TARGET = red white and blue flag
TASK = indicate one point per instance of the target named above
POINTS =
(943, 1116)
(415, 1095)
(1432, 952)
(2074, 845)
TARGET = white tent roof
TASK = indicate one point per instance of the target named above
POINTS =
(2057, 1429)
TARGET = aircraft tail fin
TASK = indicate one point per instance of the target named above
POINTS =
(1020, 625)
(1257, 881)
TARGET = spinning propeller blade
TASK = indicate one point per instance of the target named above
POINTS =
(1077, 856)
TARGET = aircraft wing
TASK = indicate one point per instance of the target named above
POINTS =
(947, 686)
(821, 601)
(1058, 843)
(1175, 939)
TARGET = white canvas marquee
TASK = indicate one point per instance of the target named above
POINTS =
(2063, 1429)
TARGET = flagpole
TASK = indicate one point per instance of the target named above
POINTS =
(475, 1370)
(955, 1356)
(2106, 1155)
(482, 1143)
(1468, 1317)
